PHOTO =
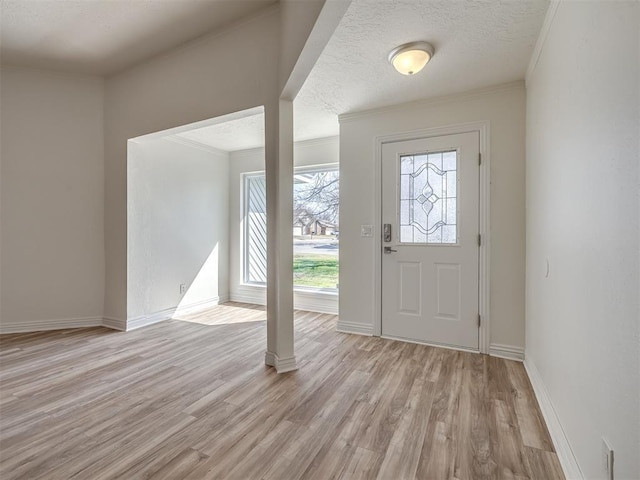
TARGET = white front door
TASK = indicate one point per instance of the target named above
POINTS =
(430, 216)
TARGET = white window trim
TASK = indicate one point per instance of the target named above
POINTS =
(243, 235)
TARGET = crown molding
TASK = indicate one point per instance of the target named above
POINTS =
(430, 102)
(542, 37)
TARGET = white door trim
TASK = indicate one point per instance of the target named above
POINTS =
(484, 303)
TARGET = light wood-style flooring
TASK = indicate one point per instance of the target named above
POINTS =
(192, 399)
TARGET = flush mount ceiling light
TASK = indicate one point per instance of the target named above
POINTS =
(411, 57)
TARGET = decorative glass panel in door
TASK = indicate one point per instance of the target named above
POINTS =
(428, 198)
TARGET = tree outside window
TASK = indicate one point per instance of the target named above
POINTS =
(316, 201)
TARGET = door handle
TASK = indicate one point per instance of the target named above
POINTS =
(389, 250)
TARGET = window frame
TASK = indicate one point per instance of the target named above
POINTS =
(245, 176)
(245, 228)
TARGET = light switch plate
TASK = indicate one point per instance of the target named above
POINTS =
(366, 230)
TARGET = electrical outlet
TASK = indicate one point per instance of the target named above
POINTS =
(183, 288)
(606, 459)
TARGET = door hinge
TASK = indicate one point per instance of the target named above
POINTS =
(479, 159)
(479, 320)
(479, 240)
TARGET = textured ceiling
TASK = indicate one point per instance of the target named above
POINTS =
(237, 134)
(478, 43)
(105, 36)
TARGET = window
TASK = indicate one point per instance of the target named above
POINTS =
(428, 199)
(255, 222)
(315, 228)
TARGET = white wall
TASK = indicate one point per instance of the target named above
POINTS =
(307, 153)
(504, 108)
(201, 81)
(52, 200)
(298, 20)
(178, 228)
(583, 102)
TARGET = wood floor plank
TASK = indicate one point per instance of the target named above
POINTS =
(509, 450)
(178, 467)
(542, 464)
(403, 454)
(191, 398)
(530, 419)
(461, 426)
(331, 461)
(440, 446)
(267, 451)
(363, 465)
(479, 431)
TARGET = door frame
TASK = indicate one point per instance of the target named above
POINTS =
(484, 280)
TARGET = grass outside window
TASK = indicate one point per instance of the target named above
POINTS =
(319, 271)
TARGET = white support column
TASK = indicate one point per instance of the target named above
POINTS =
(279, 173)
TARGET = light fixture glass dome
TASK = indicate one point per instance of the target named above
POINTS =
(410, 58)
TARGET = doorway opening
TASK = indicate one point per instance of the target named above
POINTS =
(178, 215)
(196, 213)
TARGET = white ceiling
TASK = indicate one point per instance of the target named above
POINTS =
(478, 43)
(238, 134)
(105, 36)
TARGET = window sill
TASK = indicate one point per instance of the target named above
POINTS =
(331, 292)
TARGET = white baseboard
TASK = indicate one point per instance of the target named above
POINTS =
(560, 442)
(239, 298)
(506, 351)
(353, 327)
(254, 295)
(114, 323)
(145, 320)
(282, 365)
(201, 305)
(109, 322)
(169, 313)
(309, 301)
(50, 324)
